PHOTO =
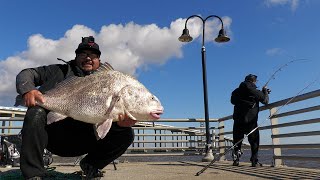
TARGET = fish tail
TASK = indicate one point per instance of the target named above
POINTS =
(19, 101)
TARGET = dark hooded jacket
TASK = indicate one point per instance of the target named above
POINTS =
(45, 78)
(246, 100)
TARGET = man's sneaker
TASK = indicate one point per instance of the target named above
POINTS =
(256, 163)
(236, 154)
(90, 172)
(235, 163)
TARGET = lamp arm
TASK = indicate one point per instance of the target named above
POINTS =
(203, 24)
(193, 17)
(216, 17)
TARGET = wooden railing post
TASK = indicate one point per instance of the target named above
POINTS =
(3, 125)
(214, 145)
(10, 122)
(222, 144)
(275, 141)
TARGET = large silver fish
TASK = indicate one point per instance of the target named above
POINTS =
(99, 98)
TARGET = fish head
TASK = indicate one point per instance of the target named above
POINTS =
(141, 104)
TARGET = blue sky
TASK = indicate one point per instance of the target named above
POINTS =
(141, 38)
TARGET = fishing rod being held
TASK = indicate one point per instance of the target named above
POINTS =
(218, 156)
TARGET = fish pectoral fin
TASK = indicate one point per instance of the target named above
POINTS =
(54, 117)
(103, 129)
(112, 104)
(129, 115)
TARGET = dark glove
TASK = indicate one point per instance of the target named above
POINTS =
(269, 91)
(266, 90)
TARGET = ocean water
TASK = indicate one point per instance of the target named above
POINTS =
(265, 157)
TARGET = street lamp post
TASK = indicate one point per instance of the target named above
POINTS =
(222, 37)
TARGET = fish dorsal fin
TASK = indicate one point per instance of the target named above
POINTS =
(72, 80)
(105, 67)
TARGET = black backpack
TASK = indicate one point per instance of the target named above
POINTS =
(235, 96)
(237, 99)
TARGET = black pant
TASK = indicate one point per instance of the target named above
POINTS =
(68, 138)
(239, 130)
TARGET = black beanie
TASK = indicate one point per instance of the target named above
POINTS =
(88, 44)
(251, 78)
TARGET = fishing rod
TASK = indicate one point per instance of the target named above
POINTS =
(232, 147)
(280, 69)
(59, 59)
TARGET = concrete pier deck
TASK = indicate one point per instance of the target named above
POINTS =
(174, 171)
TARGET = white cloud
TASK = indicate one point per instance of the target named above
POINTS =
(126, 47)
(274, 51)
(292, 3)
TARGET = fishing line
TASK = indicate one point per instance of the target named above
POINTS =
(232, 147)
(280, 69)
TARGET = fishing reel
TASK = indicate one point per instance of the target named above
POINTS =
(268, 91)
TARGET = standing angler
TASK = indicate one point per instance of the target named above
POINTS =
(246, 100)
(68, 137)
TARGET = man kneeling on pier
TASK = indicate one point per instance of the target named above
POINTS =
(69, 137)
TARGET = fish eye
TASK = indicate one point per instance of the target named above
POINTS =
(154, 98)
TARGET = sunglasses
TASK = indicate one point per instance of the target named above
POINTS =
(85, 55)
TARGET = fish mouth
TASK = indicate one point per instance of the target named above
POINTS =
(156, 114)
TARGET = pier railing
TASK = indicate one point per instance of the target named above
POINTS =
(151, 138)
(156, 137)
(187, 136)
